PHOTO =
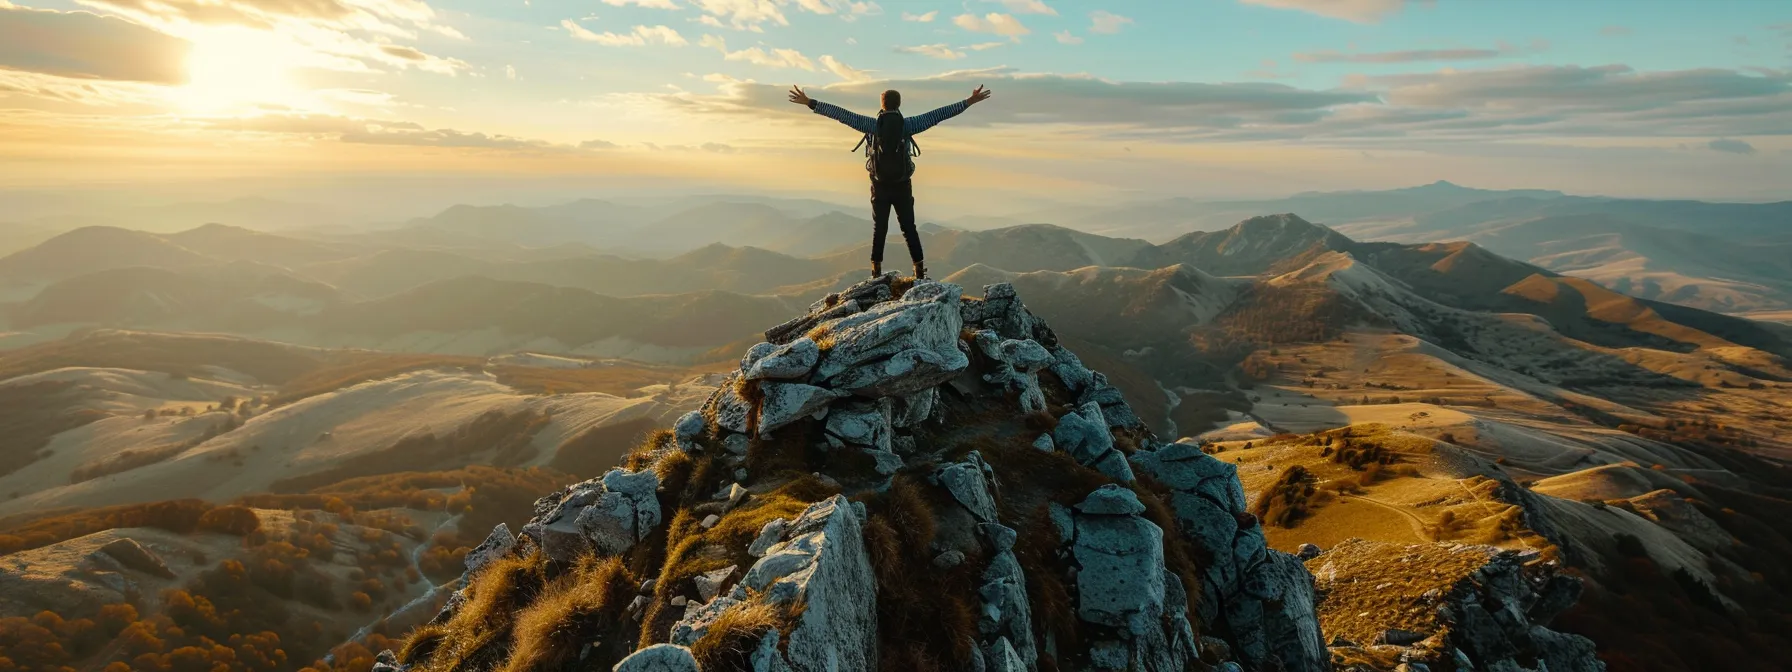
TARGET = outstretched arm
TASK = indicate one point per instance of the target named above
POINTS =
(857, 122)
(931, 119)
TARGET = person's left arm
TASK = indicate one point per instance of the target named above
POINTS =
(921, 123)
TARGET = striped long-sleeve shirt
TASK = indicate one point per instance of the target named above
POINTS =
(913, 125)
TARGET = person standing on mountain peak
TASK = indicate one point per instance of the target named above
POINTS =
(889, 157)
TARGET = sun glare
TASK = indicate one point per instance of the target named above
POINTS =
(233, 69)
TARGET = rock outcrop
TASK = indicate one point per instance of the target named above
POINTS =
(607, 514)
(1255, 597)
(909, 478)
(1447, 606)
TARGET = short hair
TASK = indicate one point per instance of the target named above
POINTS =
(892, 100)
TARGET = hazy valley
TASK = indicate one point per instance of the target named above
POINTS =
(1601, 384)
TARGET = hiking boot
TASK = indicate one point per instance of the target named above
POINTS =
(920, 270)
(877, 269)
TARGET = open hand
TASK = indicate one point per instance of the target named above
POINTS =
(797, 96)
(978, 96)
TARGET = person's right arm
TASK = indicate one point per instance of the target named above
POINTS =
(855, 121)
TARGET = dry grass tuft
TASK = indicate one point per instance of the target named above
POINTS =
(927, 617)
(478, 635)
(581, 607)
(694, 550)
(652, 449)
(734, 636)
(1048, 590)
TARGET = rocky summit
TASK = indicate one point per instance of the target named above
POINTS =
(906, 478)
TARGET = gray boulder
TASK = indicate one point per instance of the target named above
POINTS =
(790, 361)
(689, 428)
(864, 424)
(785, 403)
(1084, 435)
(822, 562)
(659, 658)
(496, 545)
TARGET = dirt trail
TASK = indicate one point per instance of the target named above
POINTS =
(1418, 524)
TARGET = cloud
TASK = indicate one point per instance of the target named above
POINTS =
(1064, 37)
(1359, 11)
(743, 14)
(1053, 99)
(636, 37)
(1417, 55)
(650, 4)
(1424, 109)
(1106, 23)
(510, 72)
(921, 18)
(775, 58)
(1614, 31)
(999, 24)
(1729, 146)
(842, 70)
(340, 34)
(752, 15)
(1027, 7)
(444, 137)
(83, 45)
(940, 51)
(598, 145)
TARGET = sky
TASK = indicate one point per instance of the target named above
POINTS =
(404, 102)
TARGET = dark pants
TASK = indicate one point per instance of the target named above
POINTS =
(901, 196)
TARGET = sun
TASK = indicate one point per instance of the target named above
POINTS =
(235, 69)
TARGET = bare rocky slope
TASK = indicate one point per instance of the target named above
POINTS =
(907, 478)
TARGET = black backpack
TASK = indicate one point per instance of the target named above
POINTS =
(889, 151)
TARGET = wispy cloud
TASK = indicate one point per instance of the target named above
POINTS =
(650, 4)
(1417, 55)
(921, 18)
(1730, 146)
(1106, 23)
(1064, 37)
(1615, 31)
(940, 51)
(1359, 11)
(637, 37)
(995, 23)
(842, 70)
(1447, 106)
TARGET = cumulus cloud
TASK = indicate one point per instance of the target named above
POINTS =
(1730, 146)
(650, 4)
(996, 23)
(1106, 23)
(754, 14)
(1064, 37)
(84, 45)
(773, 58)
(636, 37)
(1027, 7)
(1360, 11)
(921, 18)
